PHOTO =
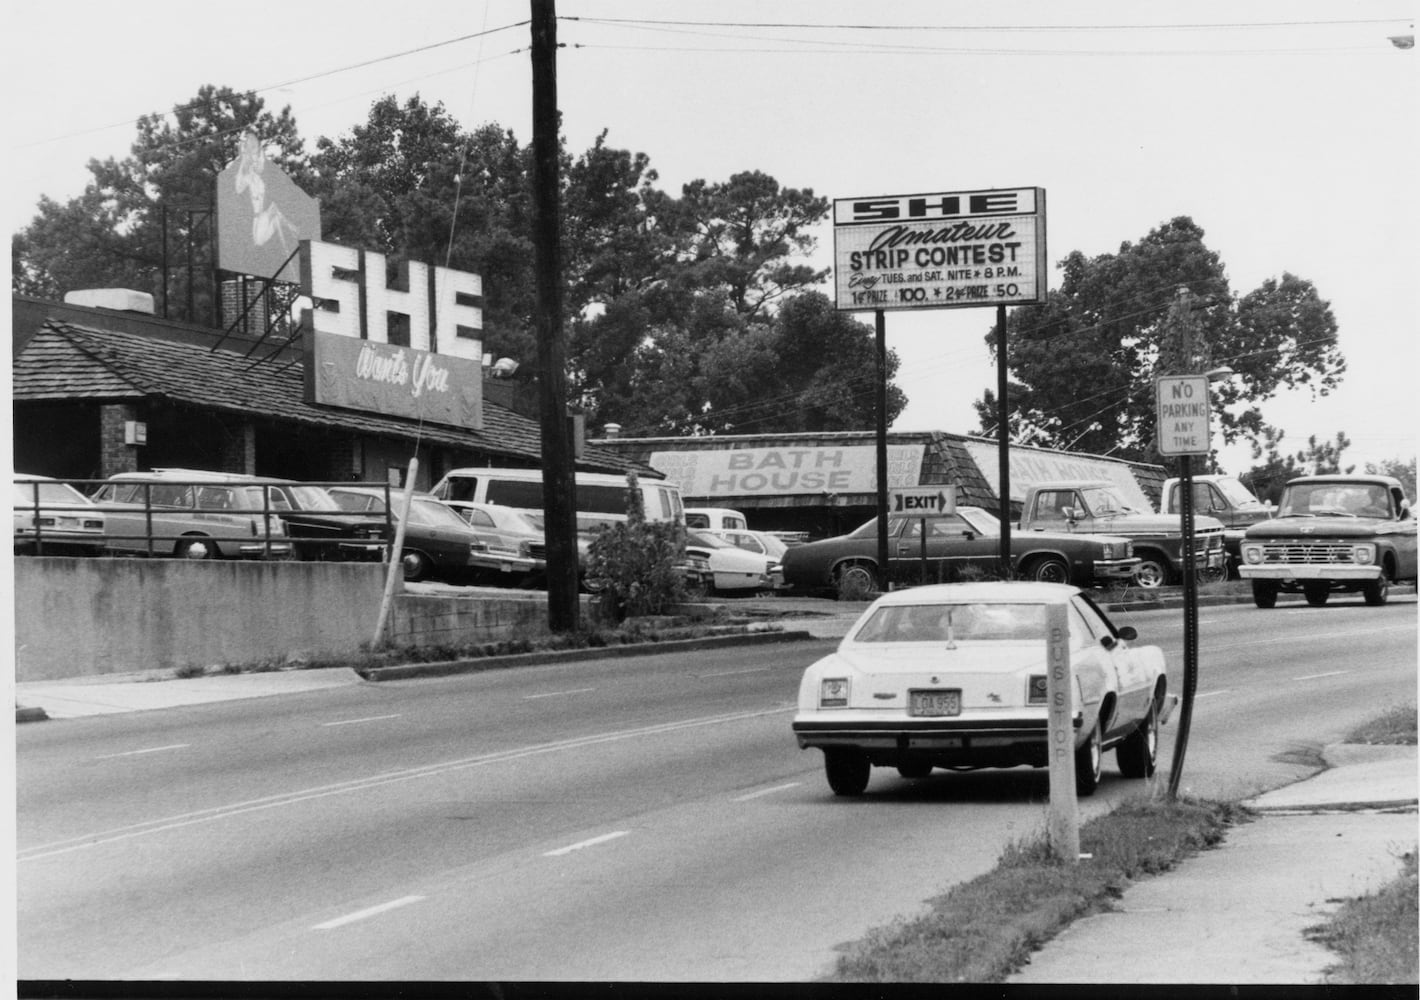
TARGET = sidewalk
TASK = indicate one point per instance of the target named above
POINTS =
(1238, 914)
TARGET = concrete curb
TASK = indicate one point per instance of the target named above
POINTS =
(446, 668)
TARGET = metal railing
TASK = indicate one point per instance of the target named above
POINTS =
(275, 529)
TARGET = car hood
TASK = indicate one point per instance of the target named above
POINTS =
(730, 560)
(1155, 523)
(1328, 527)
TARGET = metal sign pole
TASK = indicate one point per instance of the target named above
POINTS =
(1190, 623)
(883, 564)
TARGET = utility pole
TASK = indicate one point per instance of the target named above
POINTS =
(558, 478)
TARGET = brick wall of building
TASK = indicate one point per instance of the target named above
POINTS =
(115, 456)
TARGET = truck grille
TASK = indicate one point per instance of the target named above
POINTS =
(1307, 552)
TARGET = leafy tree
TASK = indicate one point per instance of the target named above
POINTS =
(113, 233)
(1083, 361)
(1267, 479)
(742, 237)
(1399, 469)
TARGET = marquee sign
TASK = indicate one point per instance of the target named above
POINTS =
(940, 251)
(351, 360)
(743, 472)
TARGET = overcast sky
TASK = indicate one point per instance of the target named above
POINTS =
(1286, 130)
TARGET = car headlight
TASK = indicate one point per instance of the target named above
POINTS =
(1363, 555)
(1252, 554)
(833, 692)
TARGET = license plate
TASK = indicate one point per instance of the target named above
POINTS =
(934, 703)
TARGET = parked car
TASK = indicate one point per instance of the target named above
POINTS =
(189, 515)
(513, 543)
(966, 541)
(760, 543)
(731, 567)
(53, 518)
(319, 529)
(437, 542)
(954, 676)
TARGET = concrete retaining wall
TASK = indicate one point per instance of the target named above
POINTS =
(84, 617)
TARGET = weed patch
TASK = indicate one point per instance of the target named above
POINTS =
(983, 930)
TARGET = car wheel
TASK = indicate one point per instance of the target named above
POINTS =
(847, 770)
(196, 548)
(914, 771)
(1049, 569)
(1151, 573)
(1139, 752)
(855, 581)
(1264, 593)
(416, 565)
(1088, 759)
(1377, 592)
(1213, 574)
(1316, 594)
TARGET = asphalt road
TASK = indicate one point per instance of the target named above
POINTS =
(643, 819)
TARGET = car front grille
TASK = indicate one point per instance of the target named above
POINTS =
(537, 550)
(1313, 553)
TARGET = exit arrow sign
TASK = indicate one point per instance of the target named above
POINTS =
(923, 501)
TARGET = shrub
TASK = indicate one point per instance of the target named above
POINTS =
(634, 562)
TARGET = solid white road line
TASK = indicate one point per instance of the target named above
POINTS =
(585, 843)
(134, 753)
(1330, 673)
(557, 694)
(1209, 694)
(354, 722)
(768, 791)
(734, 673)
(350, 918)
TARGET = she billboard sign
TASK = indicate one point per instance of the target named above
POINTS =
(940, 251)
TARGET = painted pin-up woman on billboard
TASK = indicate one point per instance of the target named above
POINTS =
(267, 217)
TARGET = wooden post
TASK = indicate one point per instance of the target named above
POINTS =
(558, 478)
(1064, 819)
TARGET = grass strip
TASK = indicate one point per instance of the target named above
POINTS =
(1376, 937)
(983, 930)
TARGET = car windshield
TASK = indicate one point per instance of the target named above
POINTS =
(1105, 500)
(708, 541)
(434, 514)
(954, 622)
(312, 498)
(1328, 499)
(1238, 495)
(49, 492)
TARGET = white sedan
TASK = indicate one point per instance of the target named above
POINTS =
(731, 566)
(954, 676)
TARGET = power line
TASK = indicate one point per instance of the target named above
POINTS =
(287, 83)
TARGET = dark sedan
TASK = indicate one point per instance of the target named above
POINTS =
(959, 546)
(437, 542)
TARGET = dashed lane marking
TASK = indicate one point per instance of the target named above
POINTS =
(135, 753)
(585, 843)
(356, 722)
(768, 791)
(364, 914)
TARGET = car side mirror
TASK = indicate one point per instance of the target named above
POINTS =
(1128, 633)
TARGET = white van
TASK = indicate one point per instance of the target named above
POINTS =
(715, 519)
(601, 497)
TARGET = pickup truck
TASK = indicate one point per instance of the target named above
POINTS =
(1228, 500)
(1332, 533)
(1096, 507)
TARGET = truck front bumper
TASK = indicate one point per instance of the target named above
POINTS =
(1304, 571)
(1116, 569)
